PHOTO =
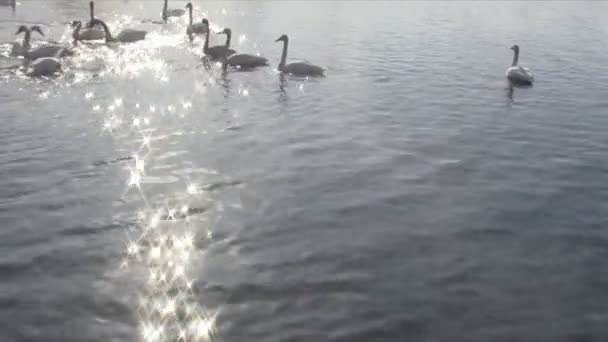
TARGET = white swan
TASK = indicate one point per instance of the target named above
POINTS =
(241, 60)
(125, 36)
(43, 51)
(516, 73)
(218, 51)
(178, 12)
(195, 29)
(89, 33)
(296, 68)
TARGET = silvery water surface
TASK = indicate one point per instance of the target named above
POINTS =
(411, 195)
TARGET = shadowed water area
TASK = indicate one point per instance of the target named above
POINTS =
(409, 195)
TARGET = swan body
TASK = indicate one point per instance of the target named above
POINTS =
(244, 60)
(125, 36)
(518, 74)
(131, 35)
(219, 51)
(46, 66)
(195, 28)
(240, 60)
(167, 13)
(90, 34)
(296, 68)
(49, 51)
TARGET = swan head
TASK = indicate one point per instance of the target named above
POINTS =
(189, 5)
(205, 21)
(22, 29)
(282, 38)
(515, 48)
(91, 5)
(226, 31)
(37, 28)
(76, 23)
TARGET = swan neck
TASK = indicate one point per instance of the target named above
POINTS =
(76, 32)
(228, 37)
(190, 14)
(165, 5)
(206, 46)
(106, 30)
(515, 58)
(26, 40)
(284, 54)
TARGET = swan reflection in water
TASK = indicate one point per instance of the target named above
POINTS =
(511, 90)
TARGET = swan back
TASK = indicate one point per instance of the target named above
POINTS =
(302, 69)
(44, 67)
(130, 35)
(245, 60)
(49, 51)
(520, 75)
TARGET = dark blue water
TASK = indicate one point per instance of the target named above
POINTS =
(410, 195)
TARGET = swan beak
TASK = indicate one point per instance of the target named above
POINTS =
(277, 40)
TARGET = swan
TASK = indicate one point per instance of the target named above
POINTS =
(241, 60)
(516, 73)
(43, 51)
(89, 33)
(296, 68)
(218, 51)
(178, 12)
(195, 29)
(43, 66)
(125, 36)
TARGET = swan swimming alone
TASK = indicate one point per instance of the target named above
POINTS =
(241, 60)
(218, 51)
(296, 68)
(195, 29)
(167, 13)
(517, 74)
(125, 36)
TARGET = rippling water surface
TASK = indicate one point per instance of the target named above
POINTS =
(411, 195)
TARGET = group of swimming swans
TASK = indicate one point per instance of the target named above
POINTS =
(44, 61)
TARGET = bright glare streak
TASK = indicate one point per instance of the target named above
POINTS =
(155, 220)
(139, 165)
(133, 248)
(192, 189)
(135, 179)
(155, 253)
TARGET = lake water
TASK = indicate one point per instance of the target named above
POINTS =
(410, 195)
